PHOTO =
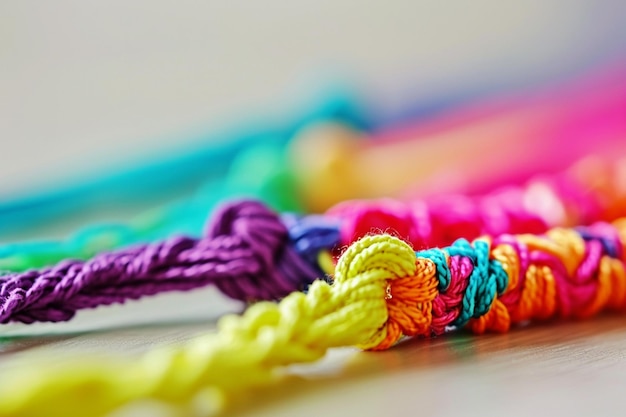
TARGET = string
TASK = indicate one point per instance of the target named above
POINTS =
(382, 292)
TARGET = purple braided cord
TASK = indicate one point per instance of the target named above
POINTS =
(246, 254)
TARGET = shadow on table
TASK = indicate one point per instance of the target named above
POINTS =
(449, 351)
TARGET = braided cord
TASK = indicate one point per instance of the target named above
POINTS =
(588, 192)
(382, 291)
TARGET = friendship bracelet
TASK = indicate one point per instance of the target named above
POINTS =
(258, 172)
(157, 178)
(250, 253)
(331, 164)
(382, 291)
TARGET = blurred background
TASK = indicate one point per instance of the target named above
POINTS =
(91, 88)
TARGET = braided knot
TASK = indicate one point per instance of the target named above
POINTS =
(448, 304)
(253, 246)
(251, 222)
(406, 285)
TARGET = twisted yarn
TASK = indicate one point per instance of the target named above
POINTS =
(245, 253)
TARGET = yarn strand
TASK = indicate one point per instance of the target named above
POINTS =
(246, 254)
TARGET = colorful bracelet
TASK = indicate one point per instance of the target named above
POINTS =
(545, 134)
(382, 291)
(250, 253)
(212, 160)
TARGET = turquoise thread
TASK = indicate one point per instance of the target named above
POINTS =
(440, 261)
(482, 286)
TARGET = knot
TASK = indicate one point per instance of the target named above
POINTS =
(448, 304)
(249, 220)
(253, 246)
(487, 279)
(606, 234)
(405, 284)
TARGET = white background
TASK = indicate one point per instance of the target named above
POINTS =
(89, 84)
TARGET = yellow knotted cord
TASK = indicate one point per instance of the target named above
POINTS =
(245, 353)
